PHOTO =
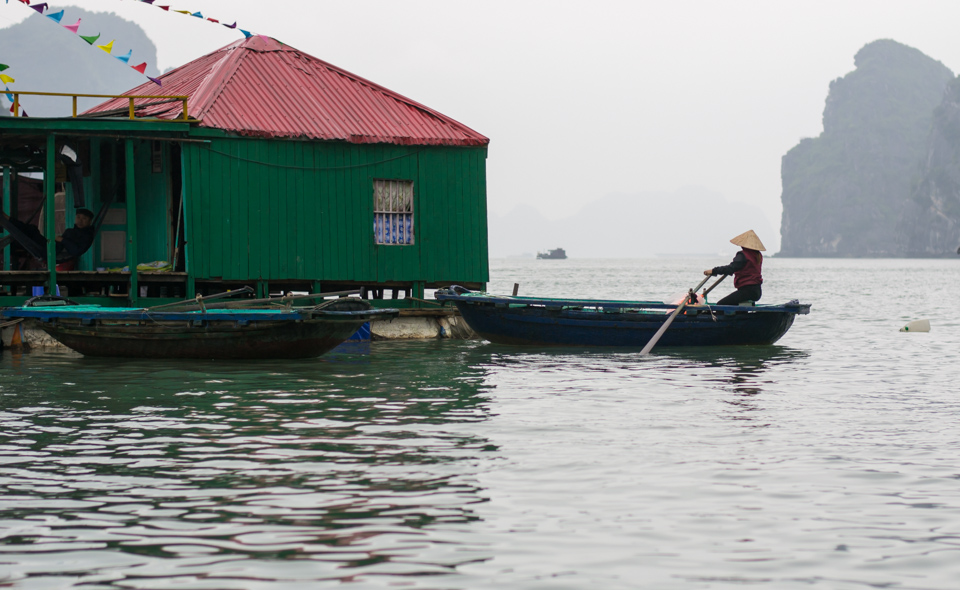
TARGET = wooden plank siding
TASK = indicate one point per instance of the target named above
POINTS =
(153, 204)
(303, 210)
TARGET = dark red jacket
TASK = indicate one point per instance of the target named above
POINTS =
(745, 268)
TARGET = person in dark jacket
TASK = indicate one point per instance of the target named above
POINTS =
(78, 239)
(71, 245)
(745, 269)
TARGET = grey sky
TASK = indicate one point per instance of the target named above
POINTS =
(580, 99)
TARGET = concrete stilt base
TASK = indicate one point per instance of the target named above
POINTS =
(421, 328)
(27, 334)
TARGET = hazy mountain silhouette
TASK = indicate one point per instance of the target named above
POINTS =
(45, 57)
(844, 192)
(930, 222)
(689, 221)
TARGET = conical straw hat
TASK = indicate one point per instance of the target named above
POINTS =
(748, 239)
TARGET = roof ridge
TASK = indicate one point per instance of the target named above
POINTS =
(217, 79)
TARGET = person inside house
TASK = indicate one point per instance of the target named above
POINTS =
(745, 269)
(70, 246)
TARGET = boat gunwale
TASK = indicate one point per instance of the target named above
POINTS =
(213, 315)
(560, 304)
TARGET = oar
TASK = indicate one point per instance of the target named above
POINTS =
(190, 305)
(199, 298)
(710, 288)
(666, 324)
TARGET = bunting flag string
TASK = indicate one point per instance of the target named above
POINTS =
(196, 14)
(6, 79)
(57, 17)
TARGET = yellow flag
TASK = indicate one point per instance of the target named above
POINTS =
(182, 11)
(6, 79)
(108, 47)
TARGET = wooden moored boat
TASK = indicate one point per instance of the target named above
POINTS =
(588, 322)
(278, 332)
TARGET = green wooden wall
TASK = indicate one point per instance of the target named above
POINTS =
(153, 202)
(273, 210)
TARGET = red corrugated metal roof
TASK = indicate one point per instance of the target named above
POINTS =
(263, 88)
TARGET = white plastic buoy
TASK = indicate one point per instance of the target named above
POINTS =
(917, 326)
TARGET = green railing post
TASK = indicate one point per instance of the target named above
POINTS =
(187, 226)
(50, 188)
(7, 179)
(132, 222)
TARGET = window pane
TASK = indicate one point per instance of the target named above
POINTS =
(393, 212)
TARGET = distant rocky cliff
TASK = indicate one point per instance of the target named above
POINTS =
(930, 222)
(45, 57)
(845, 192)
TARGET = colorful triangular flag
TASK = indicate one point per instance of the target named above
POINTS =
(155, 81)
(56, 16)
(182, 11)
(9, 96)
(142, 68)
(108, 47)
(75, 28)
(6, 79)
(125, 58)
(39, 7)
(197, 14)
(246, 34)
(4, 67)
(91, 39)
(233, 26)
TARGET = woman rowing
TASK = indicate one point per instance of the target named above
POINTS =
(745, 269)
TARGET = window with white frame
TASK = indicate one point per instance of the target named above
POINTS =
(393, 212)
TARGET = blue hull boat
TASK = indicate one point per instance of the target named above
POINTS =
(273, 333)
(587, 322)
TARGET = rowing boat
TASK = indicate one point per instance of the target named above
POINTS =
(269, 333)
(591, 322)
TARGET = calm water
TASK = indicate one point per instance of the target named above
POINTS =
(828, 461)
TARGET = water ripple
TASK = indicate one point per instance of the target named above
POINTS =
(826, 461)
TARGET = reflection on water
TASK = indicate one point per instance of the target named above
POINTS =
(743, 372)
(828, 461)
(132, 470)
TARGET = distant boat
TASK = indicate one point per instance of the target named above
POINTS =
(555, 254)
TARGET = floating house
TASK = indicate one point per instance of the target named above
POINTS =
(254, 165)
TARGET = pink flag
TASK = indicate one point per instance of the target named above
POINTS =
(75, 28)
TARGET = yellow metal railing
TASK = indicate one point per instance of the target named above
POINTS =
(132, 108)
